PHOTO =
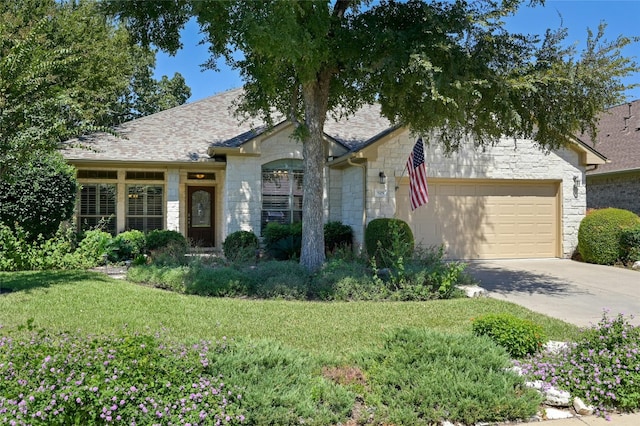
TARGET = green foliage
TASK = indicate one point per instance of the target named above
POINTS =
(630, 244)
(601, 367)
(163, 238)
(217, 282)
(283, 242)
(65, 379)
(94, 246)
(337, 235)
(128, 245)
(518, 336)
(39, 196)
(240, 246)
(600, 232)
(389, 241)
(420, 377)
(279, 280)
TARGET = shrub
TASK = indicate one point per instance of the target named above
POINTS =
(518, 336)
(420, 377)
(39, 197)
(388, 241)
(127, 245)
(162, 238)
(630, 244)
(217, 282)
(133, 379)
(601, 367)
(600, 232)
(283, 242)
(278, 280)
(240, 246)
(337, 235)
(94, 246)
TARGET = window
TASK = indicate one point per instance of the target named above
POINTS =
(145, 207)
(282, 192)
(98, 207)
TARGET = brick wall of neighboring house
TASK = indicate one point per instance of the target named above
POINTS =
(620, 190)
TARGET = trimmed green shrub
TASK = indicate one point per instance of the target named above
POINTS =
(39, 197)
(599, 235)
(163, 238)
(240, 246)
(388, 240)
(217, 282)
(337, 235)
(518, 336)
(630, 244)
(127, 246)
(283, 242)
(278, 280)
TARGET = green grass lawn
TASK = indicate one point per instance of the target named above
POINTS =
(96, 304)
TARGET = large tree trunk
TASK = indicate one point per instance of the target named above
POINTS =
(315, 97)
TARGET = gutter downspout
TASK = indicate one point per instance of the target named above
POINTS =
(364, 196)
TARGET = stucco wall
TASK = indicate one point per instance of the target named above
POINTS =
(614, 190)
(507, 160)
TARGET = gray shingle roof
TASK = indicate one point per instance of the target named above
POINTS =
(184, 133)
(618, 138)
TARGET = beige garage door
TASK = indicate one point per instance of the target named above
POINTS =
(485, 220)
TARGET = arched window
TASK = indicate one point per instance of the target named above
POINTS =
(282, 192)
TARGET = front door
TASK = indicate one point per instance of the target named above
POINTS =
(200, 218)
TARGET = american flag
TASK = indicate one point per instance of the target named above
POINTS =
(418, 190)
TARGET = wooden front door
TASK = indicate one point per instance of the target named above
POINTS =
(200, 217)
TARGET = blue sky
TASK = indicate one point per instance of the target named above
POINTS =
(621, 16)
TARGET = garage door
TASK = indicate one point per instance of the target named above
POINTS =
(485, 220)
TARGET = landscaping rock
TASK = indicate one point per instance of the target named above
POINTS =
(557, 397)
(555, 414)
(581, 408)
(555, 347)
(636, 265)
(473, 290)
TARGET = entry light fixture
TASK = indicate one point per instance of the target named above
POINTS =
(382, 177)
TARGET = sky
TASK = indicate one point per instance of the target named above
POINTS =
(621, 17)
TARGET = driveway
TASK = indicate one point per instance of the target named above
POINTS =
(571, 291)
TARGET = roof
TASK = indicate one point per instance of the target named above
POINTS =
(618, 138)
(184, 133)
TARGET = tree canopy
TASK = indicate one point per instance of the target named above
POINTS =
(67, 69)
(449, 66)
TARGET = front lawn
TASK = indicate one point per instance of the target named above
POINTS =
(282, 362)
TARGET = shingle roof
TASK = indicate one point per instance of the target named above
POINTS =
(184, 133)
(618, 138)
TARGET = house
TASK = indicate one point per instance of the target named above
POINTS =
(617, 183)
(201, 170)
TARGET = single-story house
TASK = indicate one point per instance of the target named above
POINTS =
(617, 183)
(200, 170)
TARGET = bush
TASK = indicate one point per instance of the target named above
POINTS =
(337, 235)
(217, 282)
(94, 246)
(600, 232)
(163, 238)
(127, 246)
(420, 377)
(39, 197)
(518, 336)
(601, 367)
(388, 241)
(240, 246)
(48, 379)
(278, 280)
(630, 244)
(283, 242)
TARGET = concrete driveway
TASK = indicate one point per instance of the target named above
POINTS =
(571, 291)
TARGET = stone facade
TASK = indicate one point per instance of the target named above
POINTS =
(619, 190)
(509, 159)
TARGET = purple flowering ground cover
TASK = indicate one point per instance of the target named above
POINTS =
(602, 366)
(134, 380)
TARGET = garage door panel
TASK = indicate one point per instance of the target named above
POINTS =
(486, 220)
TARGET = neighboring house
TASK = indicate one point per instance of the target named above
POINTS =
(200, 170)
(617, 183)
